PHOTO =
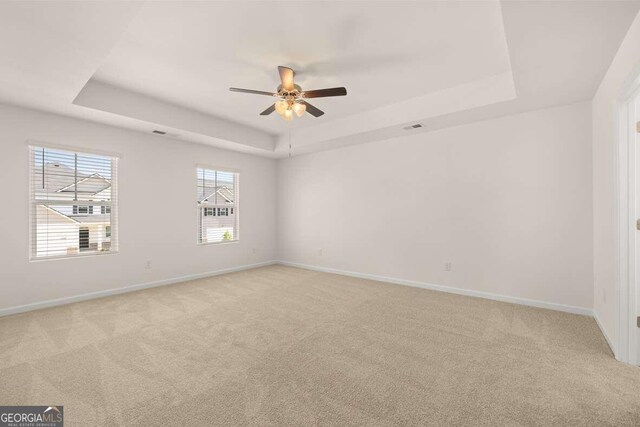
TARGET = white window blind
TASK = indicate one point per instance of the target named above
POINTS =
(217, 203)
(73, 203)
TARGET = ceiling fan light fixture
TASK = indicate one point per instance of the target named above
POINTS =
(288, 115)
(299, 109)
(281, 106)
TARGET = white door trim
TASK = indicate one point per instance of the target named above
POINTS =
(626, 287)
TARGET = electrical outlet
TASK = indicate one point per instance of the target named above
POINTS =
(254, 250)
(319, 252)
(147, 265)
(447, 266)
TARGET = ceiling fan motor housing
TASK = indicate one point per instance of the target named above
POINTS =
(295, 93)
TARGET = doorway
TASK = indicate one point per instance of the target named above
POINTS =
(628, 289)
(634, 140)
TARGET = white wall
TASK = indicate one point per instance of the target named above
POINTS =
(507, 201)
(605, 122)
(157, 217)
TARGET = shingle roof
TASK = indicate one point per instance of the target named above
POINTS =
(61, 179)
(223, 191)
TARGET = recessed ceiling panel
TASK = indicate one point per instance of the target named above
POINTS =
(190, 53)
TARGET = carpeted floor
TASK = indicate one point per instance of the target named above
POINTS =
(284, 346)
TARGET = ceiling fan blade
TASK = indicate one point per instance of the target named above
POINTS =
(269, 110)
(257, 92)
(314, 111)
(320, 93)
(286, 77)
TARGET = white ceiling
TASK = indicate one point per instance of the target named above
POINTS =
(383, 53)
(168, 65)
(49, 50)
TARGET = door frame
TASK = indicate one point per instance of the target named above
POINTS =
(627, 287)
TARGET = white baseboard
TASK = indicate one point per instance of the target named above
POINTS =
(108, 292)
(604, 333)
(479, 294)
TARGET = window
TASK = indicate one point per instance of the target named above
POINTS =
(82, 210)
(65, 188)
(83, 238)
(217, 203)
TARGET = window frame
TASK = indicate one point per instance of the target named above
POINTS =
(234, 206)
(115, 158)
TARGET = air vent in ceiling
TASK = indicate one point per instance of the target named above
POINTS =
(411, 127)
(159, 132)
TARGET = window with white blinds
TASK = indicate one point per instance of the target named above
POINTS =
(217, 203)
(73, 203)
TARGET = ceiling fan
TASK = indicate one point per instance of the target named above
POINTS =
(292, 99)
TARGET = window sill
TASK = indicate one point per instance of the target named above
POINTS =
(80, 255)
(229, 242)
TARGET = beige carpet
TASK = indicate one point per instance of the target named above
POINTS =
(278, 345)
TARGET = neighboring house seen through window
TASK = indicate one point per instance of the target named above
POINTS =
(72, 203)
(217, 203)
